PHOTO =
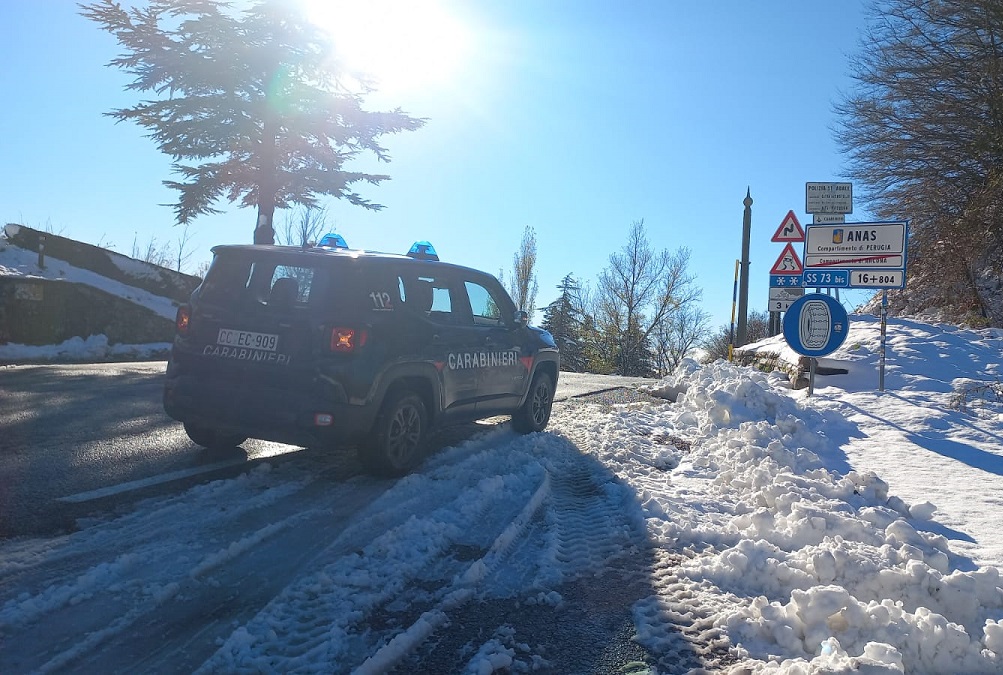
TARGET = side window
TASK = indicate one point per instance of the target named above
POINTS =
(442, 302)
(484, 306)
(430, 297)
(357, 289)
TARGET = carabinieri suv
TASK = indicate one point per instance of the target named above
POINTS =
(328, 346)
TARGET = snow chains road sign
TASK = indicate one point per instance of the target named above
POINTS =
(815, 325)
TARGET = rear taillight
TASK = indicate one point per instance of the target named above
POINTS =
(347, 340)
(183, 320)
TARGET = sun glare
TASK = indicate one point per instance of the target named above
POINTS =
(403, 45)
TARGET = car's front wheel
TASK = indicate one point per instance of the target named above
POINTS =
(535, 412)
(397, 440)
(212, 439)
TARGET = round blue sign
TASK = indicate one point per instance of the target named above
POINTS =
(815, 325)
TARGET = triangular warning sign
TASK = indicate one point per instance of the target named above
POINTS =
(788, 262)
(789, 230)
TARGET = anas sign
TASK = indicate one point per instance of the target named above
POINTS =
(856, 255)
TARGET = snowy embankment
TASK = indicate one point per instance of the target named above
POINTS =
(20, 263)
(740, 528)
(826, 571)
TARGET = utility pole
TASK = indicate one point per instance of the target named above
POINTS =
(743, 289)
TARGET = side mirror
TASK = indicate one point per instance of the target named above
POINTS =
(521, 318)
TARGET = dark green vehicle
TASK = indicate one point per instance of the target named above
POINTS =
(328, 346)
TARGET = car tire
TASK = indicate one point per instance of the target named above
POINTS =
(535, 412)
(212, 439)
(397, 440)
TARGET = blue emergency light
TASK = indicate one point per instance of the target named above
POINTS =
(422, 250)
(332, 240)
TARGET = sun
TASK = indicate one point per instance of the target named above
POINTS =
(402, 45)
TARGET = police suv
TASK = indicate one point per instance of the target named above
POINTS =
(329, 346)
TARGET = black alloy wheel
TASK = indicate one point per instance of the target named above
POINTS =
(535, 412)
(398, 435)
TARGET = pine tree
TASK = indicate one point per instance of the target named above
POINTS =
(563, 320)
(599, 347)
(251, 106)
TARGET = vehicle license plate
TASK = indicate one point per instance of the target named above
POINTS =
(243, 338)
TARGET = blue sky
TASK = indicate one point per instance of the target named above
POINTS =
(575, 118)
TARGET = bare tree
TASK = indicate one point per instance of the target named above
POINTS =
(923, 128)
(155, 252)
(716, 346)
(184, 252)
(303, 226)
(523, 285)
(677, 339)
(640, 292)
(202, 268)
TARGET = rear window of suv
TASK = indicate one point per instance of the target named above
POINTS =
(240, 279)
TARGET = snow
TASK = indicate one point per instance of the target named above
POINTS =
(95, 347)
(852, 531)
(19, 262)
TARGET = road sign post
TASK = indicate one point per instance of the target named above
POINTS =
(743, 283)
(785, 275)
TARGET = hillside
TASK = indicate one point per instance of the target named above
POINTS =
(928, 296)
(96, 303)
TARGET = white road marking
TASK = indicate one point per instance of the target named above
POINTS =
(160, 479)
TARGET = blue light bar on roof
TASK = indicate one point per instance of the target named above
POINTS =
(422, 250)
(332, 240)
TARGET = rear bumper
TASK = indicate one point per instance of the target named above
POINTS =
(265, 412)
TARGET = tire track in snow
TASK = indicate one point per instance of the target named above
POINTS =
(119, 591)
(668, 619)
(560, 599)
(357, 603)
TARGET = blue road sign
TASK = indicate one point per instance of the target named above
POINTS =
(816, 325)
(829, 278)
(785, 281)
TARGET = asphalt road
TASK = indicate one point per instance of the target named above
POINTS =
(79, 438)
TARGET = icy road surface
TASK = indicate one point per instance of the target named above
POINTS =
(288, 568)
